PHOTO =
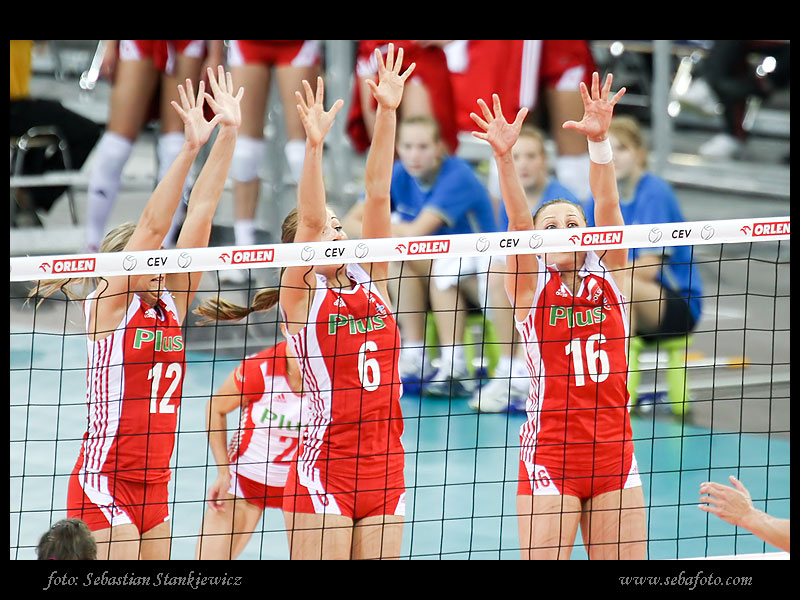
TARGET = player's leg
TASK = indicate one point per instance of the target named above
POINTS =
(226, 532)
(289, 79)
(120, 542)
(170, 141)
(547, 526)
(378, 537)
(614, 525)
(319, 536)
(156, 542)
(408, 287)
(250, 147)
(131, 94)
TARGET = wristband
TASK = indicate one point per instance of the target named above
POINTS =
(600, 152)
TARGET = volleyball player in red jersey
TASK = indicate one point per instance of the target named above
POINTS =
(428, 93)
(345, 498)
(577, 465)
(136, 350)
(253, 468)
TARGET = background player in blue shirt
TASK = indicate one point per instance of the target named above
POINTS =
(667, 289)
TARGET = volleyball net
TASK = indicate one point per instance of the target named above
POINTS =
(707, 405)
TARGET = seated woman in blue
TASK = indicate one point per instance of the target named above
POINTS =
(667, 289)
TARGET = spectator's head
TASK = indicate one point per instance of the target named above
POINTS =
(627, 143)
(68, 539)
(419, 145)
(530, 157)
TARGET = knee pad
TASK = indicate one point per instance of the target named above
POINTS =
(247, 158)
(112, 153)
(168, 147)
(295, 152)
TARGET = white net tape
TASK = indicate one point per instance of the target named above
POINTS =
(393, 249)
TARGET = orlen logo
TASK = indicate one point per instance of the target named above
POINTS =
(597, 239)
(239, 257)
(73, 265)
(425, 247)
(772, 228)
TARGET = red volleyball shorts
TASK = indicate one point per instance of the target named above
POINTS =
(263, 496)
(554, 480)
(384, 495)
(289, 53)
(102, 501)
(162, 52)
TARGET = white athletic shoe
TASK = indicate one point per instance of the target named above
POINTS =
(722, 145)
(414, 365)
(700, 97)
(450, 381)
(500, 395)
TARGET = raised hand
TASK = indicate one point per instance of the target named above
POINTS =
(597, 109)
(196, 129)
(389, 91)
(501, 134)
(316, 121)
(224, 104)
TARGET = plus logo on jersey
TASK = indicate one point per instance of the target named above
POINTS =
(373, 323)
(164, 343)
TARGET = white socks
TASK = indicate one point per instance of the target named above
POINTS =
(110, 156)
(244, 232)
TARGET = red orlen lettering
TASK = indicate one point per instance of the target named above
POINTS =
(429, 247)
(252, 256)
(774, 228)
(598, 238)
(73, 265)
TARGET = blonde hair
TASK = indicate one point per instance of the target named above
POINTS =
(219, 309)
(559, 201)
(114, 241)
(628, 132)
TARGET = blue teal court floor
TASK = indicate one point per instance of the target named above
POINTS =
(461, 468)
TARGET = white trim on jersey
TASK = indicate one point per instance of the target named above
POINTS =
(529, 76)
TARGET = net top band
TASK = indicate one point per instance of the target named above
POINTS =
(218, 258)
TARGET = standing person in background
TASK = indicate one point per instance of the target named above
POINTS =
(137, 70)
(540, 75)
(509, 386)
(577, 463)
(345, 497)
(252, 64)
(25, 112)
(266, 388)
(727, 72)
(427, 94)
(667, 289)
(135, 346)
